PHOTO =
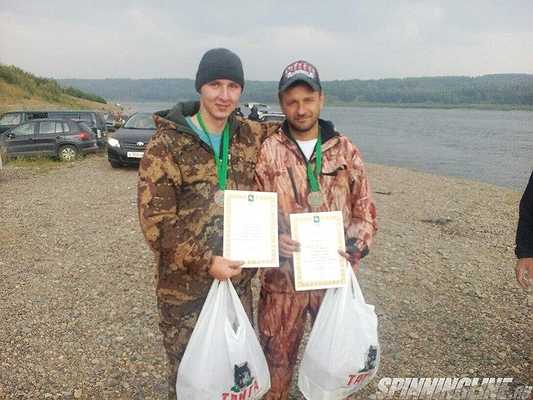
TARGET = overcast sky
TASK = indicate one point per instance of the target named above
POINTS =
(362, 39)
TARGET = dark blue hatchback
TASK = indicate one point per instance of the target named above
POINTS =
(61, 138)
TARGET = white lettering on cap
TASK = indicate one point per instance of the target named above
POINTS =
(300, 68)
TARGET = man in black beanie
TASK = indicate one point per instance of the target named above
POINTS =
(199, 150)
(217, 63)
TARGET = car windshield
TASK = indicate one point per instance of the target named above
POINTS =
(140, 121)
(10, 119)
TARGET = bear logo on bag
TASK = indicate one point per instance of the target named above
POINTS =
(242, 376)
(245, 388)
(371, 359)
(365, 372)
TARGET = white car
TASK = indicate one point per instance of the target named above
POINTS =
(262, 112)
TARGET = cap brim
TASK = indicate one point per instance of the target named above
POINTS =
(300, 78)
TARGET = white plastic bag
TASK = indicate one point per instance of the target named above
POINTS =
(342, 354)
(223, 359)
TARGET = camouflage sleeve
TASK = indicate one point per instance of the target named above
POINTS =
(363, 226)
(159, 176)
(261, 177)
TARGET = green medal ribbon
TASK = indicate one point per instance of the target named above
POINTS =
(222, 160)
(314, 170)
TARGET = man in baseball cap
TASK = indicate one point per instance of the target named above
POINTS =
(313, 168)
(299, 71)
(182, 176)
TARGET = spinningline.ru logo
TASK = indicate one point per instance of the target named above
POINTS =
(451, 388)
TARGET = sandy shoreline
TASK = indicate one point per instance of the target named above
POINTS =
(78, 306)
(441, 275)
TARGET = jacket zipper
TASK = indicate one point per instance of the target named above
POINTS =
(293, 184)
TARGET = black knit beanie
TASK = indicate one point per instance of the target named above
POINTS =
(219, 64)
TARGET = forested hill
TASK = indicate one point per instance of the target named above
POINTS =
(487, 90)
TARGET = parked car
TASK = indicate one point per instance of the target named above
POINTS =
(126, 145)
(262, 113)
(94, 119)
(61, 138)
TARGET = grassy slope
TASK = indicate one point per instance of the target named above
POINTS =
(13, 97)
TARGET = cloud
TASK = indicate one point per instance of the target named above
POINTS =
(345, 39)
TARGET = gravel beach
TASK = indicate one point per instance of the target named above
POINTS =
(77, 301)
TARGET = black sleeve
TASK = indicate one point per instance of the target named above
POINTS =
(524, 233)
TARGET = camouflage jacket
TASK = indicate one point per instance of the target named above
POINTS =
(176, 186)
(281, 168)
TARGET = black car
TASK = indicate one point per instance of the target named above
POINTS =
(126, 145)
(94, 119)
(61, 138)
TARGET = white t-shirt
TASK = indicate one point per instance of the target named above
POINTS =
(307, 147)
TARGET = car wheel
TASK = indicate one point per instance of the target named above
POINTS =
(115, 164)
(67, 153)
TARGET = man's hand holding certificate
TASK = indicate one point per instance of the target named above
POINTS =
(318, 264)
(251, 228)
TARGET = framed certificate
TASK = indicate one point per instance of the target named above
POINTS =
(251, 228)
(318, 264)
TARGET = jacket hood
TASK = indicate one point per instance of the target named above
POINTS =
(176, 116)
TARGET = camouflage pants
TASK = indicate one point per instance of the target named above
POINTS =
(176, 323)
(281, 321)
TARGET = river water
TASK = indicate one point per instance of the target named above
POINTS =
(484, 145)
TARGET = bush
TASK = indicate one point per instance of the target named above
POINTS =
(84, 95)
